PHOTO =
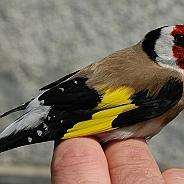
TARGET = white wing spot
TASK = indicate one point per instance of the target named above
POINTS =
(29, 139)
(39, 132)
(42, 102)
(45, 126)
(48, 118)
(54, 116)
(75, 82)
(62, 89)
(61, 121)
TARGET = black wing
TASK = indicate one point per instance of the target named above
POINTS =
(150, 107)
(55, 83)
(48, 86)
(73, 101)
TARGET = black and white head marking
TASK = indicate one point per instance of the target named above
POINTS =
(158, 45)
(164, 49)
(148, 43)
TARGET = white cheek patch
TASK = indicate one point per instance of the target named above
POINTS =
(164, 46)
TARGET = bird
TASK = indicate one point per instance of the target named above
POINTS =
(132, 93)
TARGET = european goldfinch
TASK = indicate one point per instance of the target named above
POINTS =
(133, 92)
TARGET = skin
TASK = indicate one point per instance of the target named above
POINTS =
(84, 161)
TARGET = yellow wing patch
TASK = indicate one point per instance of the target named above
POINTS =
(112, 104)
(115, 98)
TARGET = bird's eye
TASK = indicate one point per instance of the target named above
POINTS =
(179, 39)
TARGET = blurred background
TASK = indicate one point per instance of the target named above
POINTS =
(42, 40)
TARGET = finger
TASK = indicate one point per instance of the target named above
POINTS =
(79, 160)
(130, 161)
(175, 176)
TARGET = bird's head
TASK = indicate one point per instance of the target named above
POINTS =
(165, 46)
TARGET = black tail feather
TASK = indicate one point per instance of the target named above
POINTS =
(19, 108)
(22, 138)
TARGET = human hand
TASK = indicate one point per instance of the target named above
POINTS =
(82, 160)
